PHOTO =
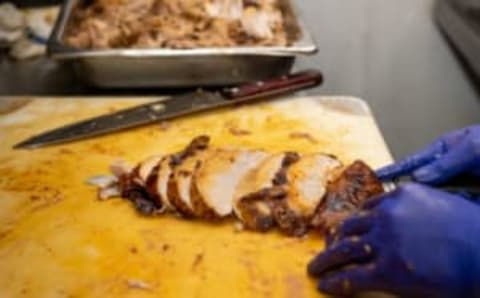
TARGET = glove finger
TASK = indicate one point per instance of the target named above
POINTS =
(357, 225)
(412, 162)
(347, 252)
(330, 236)
(350, 281)
(455, 137)
(374, 202)
(426, 155)
(459, 159)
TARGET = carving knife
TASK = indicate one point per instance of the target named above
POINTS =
(176, 106)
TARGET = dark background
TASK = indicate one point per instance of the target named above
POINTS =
(388, 52)
(32, 3)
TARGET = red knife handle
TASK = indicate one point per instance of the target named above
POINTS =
(276, 86)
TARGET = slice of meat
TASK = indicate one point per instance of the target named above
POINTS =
(353, 187)
(143, 170)
(307, 185)
(260, 189)
(260, 177)
(179, 184)
(157, 184)
(137, 194)
(131, 185)
(216, 180)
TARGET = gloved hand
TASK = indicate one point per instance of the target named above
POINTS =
(413, 242)
(455, 153)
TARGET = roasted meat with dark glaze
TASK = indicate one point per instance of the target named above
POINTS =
(353, 187)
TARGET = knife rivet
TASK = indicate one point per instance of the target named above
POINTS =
(260, 83)
(158, 107)
(235, 90)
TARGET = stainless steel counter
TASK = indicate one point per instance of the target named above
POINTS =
(385, 51)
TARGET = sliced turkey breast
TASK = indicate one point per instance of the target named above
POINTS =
(142, 171)
(259, 190)
(292, 191)
(179, 184)
(157, 182)
(307, 185)
(308, 180)
(159, 177)
(260, 177)
(216, 180)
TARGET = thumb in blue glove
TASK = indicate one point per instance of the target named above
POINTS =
(413, 242)
(453, 154)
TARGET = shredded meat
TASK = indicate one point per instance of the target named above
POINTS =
(177, 24)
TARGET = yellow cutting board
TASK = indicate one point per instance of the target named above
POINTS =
(58, 240)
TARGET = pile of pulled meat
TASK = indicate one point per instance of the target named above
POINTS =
(176, 24)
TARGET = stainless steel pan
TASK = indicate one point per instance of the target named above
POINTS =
(181, 68)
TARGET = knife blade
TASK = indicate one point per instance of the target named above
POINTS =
(176, 106)
(465, 185)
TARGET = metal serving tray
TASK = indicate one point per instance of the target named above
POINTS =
(164, 67)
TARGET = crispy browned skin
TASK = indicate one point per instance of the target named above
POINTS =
(288, 221)
(345, 195)
(258, 208)
(199, 143)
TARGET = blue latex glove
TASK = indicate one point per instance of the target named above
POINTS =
(455, 153)
(413, 242)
